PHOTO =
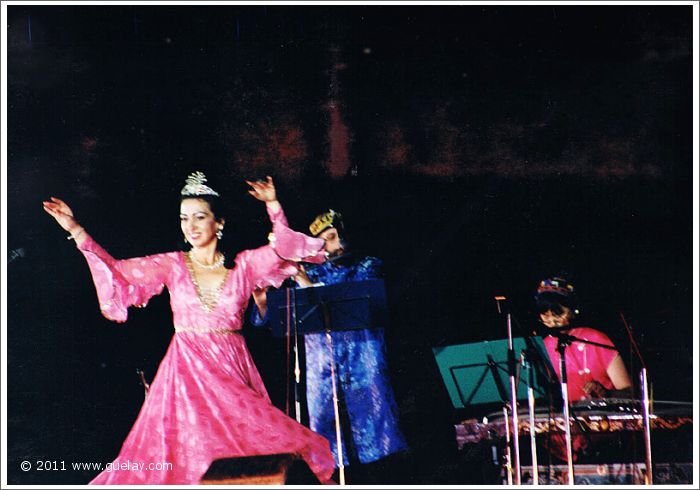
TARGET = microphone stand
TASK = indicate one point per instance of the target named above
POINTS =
(528, 361)
(532, 358)
(297, 372)
(297, 368)
(513, 393)
(649, 476)
(336, 412)
(491, 363)
(561, 348)
(565, 340)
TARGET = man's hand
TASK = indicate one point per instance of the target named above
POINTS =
(595, 390)
(301, 278)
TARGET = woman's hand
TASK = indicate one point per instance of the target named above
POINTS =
(263, 191)
(63, 215)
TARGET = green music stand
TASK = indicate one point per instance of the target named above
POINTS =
(478, 373)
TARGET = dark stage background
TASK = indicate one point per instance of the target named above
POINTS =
(487, 147)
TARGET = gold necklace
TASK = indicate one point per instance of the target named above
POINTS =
(218, 263)
(208, 297)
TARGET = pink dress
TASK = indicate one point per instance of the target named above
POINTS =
(207, 400)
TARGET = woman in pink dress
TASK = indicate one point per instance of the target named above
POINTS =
(207, 400)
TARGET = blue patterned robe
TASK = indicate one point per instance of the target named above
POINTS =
(362, 374)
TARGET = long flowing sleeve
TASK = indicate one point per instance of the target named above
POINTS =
(123, 283)
(271, 264)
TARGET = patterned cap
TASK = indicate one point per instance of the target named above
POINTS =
(556, 285)
(329, 219)
(556, 291)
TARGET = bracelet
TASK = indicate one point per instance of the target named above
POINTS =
(73, 237)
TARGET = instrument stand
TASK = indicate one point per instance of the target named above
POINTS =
(513, 395)
(649, 476)
(465, 371)
(297, 368)
(336, 411)
(492, 367)
(326, 316)
(513, 403)
(528, 360)
(507, 463)
(532, 358)
(336, 307)
(565, 340)
(561, 348)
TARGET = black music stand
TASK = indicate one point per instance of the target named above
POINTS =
(344, 306)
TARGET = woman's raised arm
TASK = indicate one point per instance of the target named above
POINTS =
(63, 215)
(265, 191)
(119, 283)
(271, 264)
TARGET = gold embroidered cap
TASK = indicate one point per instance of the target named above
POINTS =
(556, 291)
(556, 285)
(330, 219)
(194, 186)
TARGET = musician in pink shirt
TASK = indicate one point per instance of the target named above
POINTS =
(592, 371)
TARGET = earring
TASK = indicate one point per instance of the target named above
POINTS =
(184, 238)
(220, 233)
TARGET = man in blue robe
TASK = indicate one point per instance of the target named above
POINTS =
(360, 363)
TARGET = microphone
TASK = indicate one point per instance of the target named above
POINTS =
(499, 299)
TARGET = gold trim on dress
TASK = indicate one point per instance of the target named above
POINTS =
(208, 297)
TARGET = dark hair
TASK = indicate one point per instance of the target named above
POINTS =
(215, 204)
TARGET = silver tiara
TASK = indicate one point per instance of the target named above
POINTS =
(194, 186)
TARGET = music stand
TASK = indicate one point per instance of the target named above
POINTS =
(344, 306)
(468, 371)
(478, 373)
